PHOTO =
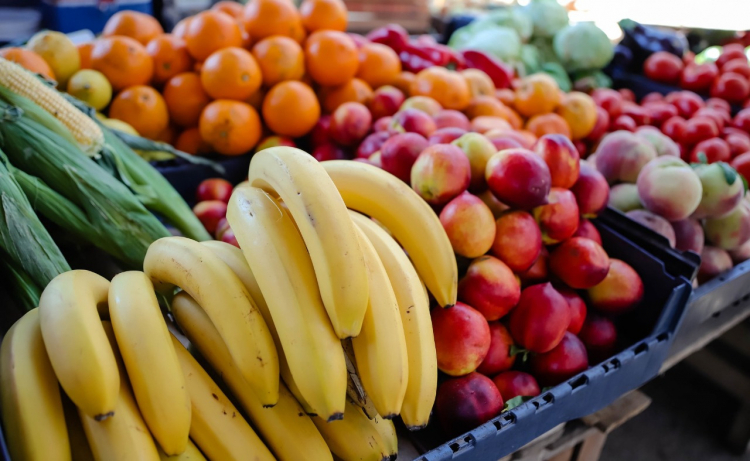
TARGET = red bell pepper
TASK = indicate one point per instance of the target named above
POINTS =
(500, 73)
(392, 35)
(414, 63)
(433, 53)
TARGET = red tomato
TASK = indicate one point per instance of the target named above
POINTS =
(742, 120)
(738, 66)
(698, 77)
(718, 103)
(624, 122)
(716, 115)
(738, 144)
(687, 103)
(715, 150)
(675, 128)
(601, 126)
(730, 53)
(731, 86)
(741, 163)
(699, 128)
(608, 99)
(636, 112)
(627, 94)
(659, 112)
(663, 66)
(654, 96)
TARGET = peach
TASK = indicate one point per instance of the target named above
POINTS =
(620, 291)
(624, 197)
(372, 143)
(714, 261)
(561, 157)
(563, 362)
(621, 155)
(722, 190)
(469, 224)
(398, 154)
(505, 142)
(485, 123)
(499, 357)
(321, 132)
(662, 143)
(422, 103)
(579, 262)
(577, 310)
(670, 188)
(440, 173)
(688, 235)
(385, 101)
(462, 338)
(730, 231)
(350, 123)
(524, 140)
(275, 141)
(519, 178)
(229, 237)
(654, 222)
(478, 150)
(541, 318)
(513, 383)
(384, 124)
(599, 335)
(326, 152)
(538, 272)
(558, 219)
(209, 213)
(221, 227)
(518, 240)
(214, 189)
(496, 206)
(413, 121)
(464, 403)
(490, 287)
(741, 254)
(591, 191)
(451, 118)
(445, 135)
(587, 229)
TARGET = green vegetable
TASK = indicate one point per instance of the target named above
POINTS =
(548, 17)
(530, 59)
(515, 18)
(23, 289)
(557, 72)
(588, 80)
(582, 47)
(501, 42)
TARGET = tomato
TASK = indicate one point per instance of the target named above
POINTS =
(738, 144)
(624, 122)
(741, 163)
(699, 128)
(731, 86)
(675, 128)
(730, 53)
(601, 126)
(699, 77)
(716, 115)
(659, 112)
(687, 103)
(608, 99)
(636, 112)
(718, 103)
(654, 96)
(742, 120)
(715, 150)
(663, 66)
(738, 66)
(627, 94)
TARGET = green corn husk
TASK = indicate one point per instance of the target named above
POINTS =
(109, 206)
(23, 290)
(36, 112)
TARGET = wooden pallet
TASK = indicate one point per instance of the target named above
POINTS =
(366, 15)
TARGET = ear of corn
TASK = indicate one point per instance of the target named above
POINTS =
(22, 82)
(23, 289)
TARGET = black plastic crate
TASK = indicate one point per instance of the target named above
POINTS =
(649, 329)
(185, 176)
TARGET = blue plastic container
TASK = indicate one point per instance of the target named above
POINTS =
(70, 16)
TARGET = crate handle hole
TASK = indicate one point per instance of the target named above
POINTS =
(736, 303)
(716, 314)
(497, 425)
(548, 397)
(662, 337)
(615, 363)
(579, 382)
(510, 417)
(455, 447)
(746, 297)
(641, 348)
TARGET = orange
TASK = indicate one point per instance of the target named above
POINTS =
(123, 60)
(28, 60)
(84, 52)
(506, 96)
(579, 110)
(485, 123)
(167, 135)
(264, 18)
(331, 57)
(323, 14)
(143, 108)
(133, 24)
(378, 64)
(170, 57)
(185, 98)
(537, 94)
(233, 9)
(210, 31)
(180, 29)
(445, 86)
(489, 105)
(291, 109)
(279, 58)
(542, 124)
(230, 127)
(190, 141)
(256, 100)
(404, 81)
(355, 90)
(480, 84)
(231, 73)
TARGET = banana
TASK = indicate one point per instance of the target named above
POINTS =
(124, 436)
(216, 426)
(321, 217)
(379, 194)
(191, 453)
(380, 349)
(277, 425)
(150, 361)
(354, 389)
(32, 410)
(387, 432)
(85, 365)
(79, 446)
(355, 437)
(194, 268)
(279, 260)
(414, 306)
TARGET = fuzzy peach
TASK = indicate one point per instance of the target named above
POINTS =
(722, 190)
(654, 222)
(662, 143)
(462, 338)
(670, 188)
(688, 235)
(730, 231)
(624, 197)
(621, 155)
(518, 240)
(714, 261)
(620, 291)
(469, 224)
(490, 287)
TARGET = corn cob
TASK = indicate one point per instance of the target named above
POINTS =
(22, 288)
(17, 79)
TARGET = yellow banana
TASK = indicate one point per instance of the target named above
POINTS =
(354, 389)
(216, 426)
(277, 425)
(191, 453)
(356, 437)
(79, 446)
(379, 194)
(32, 410)
(194, 268)
(279, 260)
(380, 349)
(387, 432)
(124, 436)
(415, 316)
(321, 217)
(77, 346)
(150, 361)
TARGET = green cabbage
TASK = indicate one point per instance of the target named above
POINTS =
(516, 18)
(548, 17)
(583, 46)
(530, 59)
(501, 42)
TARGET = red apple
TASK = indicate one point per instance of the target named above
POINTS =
(451, 118)
(599, 335)
(399, 153)
(465, 403)
(469, 224)
(350, 123)
(518, 240)
(563, 362)
(441, 172)
(462, 338)
(385, 101)
(490, 286)
(414, 121)
(579, 262)
(209, 213)
(498, 358)
(577, 310)
(372, 143)
(586, 229)
(561, 157)
(620, 291)
(214, 189)
(519, 178)
(541, 318)
(558, 218)
(513, 383)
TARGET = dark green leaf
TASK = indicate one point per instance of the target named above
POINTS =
(702, 157)
(730, 174)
